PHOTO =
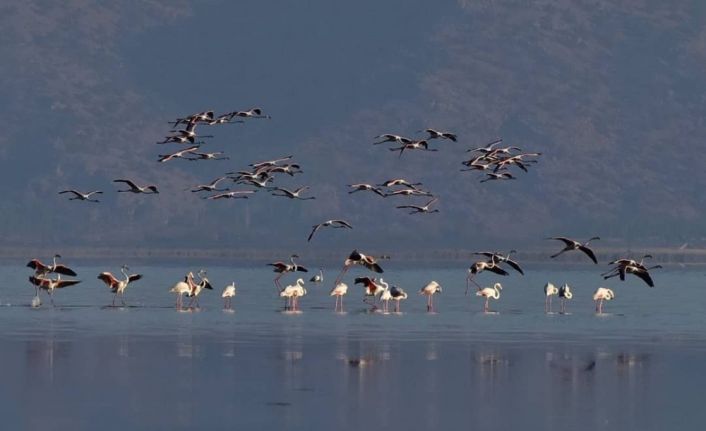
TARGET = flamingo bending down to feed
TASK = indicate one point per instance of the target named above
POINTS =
(227, 295)
(339, 291)
(318, 278)
(564, 294)
(118, 286)
(549, 291)
(292, 293)
(490, 292)
(397, 295)
(602, 294)
(429, 290)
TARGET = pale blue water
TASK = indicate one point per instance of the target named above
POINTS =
(82, 366)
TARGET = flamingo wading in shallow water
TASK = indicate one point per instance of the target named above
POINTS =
(490, 292)
(339, 291)
(429, 290)
(602, 294)
(227, 295)
(118, 286)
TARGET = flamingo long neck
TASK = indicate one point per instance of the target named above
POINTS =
(54, 261)
(124, 271)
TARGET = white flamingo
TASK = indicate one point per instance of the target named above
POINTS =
(227, 295)
(118, 286)
(196, 289)
(602, 294)
(292, 293)
(182, 288)
(549, 291)
(385, 296)
(429, 290)
(339, 291)
(490, 292)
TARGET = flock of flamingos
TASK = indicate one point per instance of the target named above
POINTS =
(491, 160)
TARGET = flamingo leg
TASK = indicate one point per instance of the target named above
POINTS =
(563, 301)
(485, 307)
(341, 304)
(51, 299)
(122, 299)
(114, 296)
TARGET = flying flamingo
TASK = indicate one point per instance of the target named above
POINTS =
(283, 268)
(80, 196)
(358, 258)
(429, 290)
(134, 188)
(570, 244)
(490, 292)
(480, 266)
(118, 286)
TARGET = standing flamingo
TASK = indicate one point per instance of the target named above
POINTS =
(292, 293)
(549, 291)
(182, 288)
(227, 295)
(564, 294)
(429, 290)
(339, 291)
(602, 294)
(490, 292)
(397, 295)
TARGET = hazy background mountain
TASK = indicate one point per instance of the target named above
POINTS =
(611, 92)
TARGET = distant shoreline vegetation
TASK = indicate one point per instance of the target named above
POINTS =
(668, 256)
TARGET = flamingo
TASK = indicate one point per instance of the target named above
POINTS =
(41, 269)
(196, 289)
(339, 291)
(409, 192)
(389, 137)
(318, 278)
(602, 294)
(194, 118)
(210, 187)
(118, 286)
(360, 187)
(435, 134)
(134, 188)
(416, 209)
(237, 194)
(492, 176)
(373, 288)
(49, 285)
(80, 196)
(571, 244)
(489, 148)
(564, 294)
(490, 292)
(251, 113)
(358, 258)
(549, 291)
(270, 162)
(293, 292)
(399, 182)
(499, 258)
(480, 266)
(397, 295)
(206, 156)
(227, 295)
(429, 290)
(286, 193)
(178, 155)
(182, 288)
(283, 268)
(385, 296)
(336, 224)
(414, 145)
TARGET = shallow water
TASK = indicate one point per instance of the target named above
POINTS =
(81, 365)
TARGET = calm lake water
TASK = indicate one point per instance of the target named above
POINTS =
(81, 365)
